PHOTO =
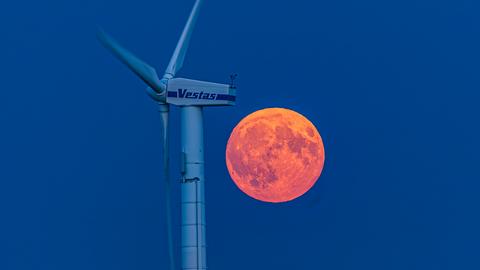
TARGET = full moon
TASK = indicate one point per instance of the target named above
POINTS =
(275, 155)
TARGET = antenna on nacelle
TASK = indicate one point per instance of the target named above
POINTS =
(233, 76)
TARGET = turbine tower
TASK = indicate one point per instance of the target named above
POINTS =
(191, 96)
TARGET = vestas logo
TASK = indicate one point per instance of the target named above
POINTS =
(184, 93)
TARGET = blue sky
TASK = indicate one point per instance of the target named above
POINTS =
(392, 87)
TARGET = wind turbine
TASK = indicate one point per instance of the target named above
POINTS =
(191, 96)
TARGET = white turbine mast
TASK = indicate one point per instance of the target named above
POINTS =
(191, 96)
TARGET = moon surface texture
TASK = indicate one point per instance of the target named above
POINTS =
(275, 155)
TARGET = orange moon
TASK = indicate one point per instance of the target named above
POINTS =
(275, 155)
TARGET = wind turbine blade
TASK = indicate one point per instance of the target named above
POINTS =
(176, 62)
(140, 68)
(164, 109)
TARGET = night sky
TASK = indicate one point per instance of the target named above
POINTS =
(392, 86)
